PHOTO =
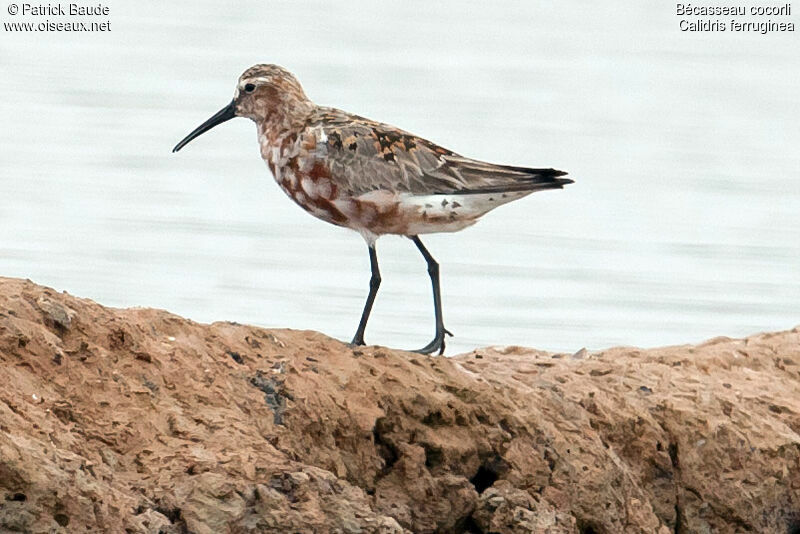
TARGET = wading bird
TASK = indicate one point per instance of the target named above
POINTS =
(368, 176)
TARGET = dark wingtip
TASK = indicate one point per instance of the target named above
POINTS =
(555, 174)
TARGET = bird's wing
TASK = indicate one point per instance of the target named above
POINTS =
(363, 156)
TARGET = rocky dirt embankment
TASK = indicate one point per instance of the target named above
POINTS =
(140, 421)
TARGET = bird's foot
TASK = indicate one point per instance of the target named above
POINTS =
(358, 341)
(437, 343)
(355, 344)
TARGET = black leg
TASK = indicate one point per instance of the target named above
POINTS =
(374, 284)
(433, 271)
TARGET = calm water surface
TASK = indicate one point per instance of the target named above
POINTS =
(684, 222)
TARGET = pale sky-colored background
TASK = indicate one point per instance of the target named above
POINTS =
(683, 223)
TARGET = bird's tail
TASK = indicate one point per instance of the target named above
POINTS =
(480, 177)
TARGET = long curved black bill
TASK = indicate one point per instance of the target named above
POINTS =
(225, 114)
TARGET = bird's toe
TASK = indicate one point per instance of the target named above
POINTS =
(437, 344)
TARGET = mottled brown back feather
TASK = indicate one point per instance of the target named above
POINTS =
(364, 156)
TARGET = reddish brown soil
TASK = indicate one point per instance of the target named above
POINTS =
(141, 421)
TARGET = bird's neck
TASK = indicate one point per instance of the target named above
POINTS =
(287, 118)
(277, 137)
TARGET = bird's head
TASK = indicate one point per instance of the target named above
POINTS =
(264, 93)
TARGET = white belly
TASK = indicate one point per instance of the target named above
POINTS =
(450, 213)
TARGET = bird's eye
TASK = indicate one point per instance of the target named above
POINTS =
(249, 88)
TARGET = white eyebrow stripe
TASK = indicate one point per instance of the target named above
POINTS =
(250, 80)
